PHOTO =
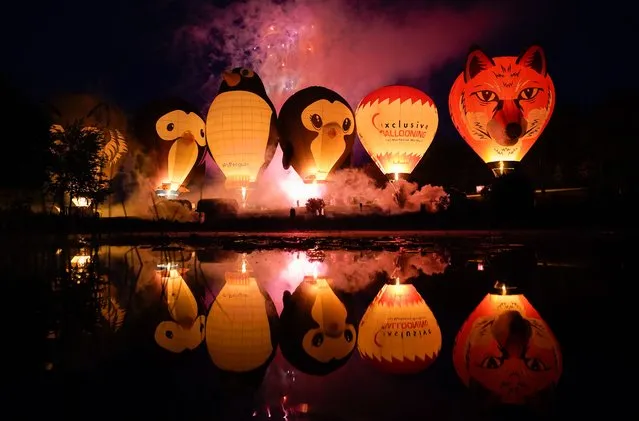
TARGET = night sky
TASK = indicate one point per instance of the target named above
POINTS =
(127, 51)
(124, 49)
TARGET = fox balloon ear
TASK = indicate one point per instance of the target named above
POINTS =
(535, 58)
(476, 62)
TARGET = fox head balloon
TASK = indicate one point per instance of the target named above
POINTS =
(501, 105)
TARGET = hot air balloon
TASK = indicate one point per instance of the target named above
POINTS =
(398, 332)
(319, 332)
(396, 125)
(186, 329)
(501, 105)
(93, 113)
(317, 129)
(174, 138)
(506, 349)
(241, 326)
(241, 129)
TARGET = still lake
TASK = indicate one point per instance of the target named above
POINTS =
(269, 326)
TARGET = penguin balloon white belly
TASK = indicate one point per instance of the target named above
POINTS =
(237, 132)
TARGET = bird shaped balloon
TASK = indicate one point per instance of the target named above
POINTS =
(174, 135)
(241, 129)
(501, 105)
(317, 129)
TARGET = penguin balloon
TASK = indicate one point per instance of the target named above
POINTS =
(317, 128)
(241, 129)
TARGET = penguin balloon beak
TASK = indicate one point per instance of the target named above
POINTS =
(231, 79)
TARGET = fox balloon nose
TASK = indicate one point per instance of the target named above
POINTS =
(332, 132)
(513, 130)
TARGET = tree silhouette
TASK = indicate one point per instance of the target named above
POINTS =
(315, 206)
(77, 164)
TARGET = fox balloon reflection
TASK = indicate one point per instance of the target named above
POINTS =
(399, 332)
(318, 330)
(506, 349)
(241, 129)
(396, 125)
(241, 327)
(501, 105)
(317, 129)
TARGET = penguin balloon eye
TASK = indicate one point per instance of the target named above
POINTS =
(170, 127)
(346, 124)
(316, 120)
(247, 73)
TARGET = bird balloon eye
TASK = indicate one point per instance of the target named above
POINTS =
(170, 127)
(346, 124)
(318, 339)
(202, 133)
(316, 120)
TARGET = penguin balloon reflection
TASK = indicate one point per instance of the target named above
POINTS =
(186, 330)
(241, 327)
(241, 129)
(319, 332)
(317, 128)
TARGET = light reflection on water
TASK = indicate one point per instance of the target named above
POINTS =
(194, 329)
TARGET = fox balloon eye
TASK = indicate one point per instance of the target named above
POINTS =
(529, 93)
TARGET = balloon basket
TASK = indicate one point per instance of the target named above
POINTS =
(501, 168)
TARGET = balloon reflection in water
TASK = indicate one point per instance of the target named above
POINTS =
(186, 330)
(506, 349)
(399, 332)
(242, 323)
(318, 331)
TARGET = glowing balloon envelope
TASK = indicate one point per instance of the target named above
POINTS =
(241, 128)
(175, 136)
(240, 325)
(399, 333)
(318, 332)
(317, 129)
(177, 338)
(396, 125)
(505, 348)
(501, 105)
(186, 330)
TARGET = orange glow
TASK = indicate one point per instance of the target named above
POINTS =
(186, 132)
(81, 202)
(298, 191)
(238, 126)
(507, 349)
(396, 125)
(80, 260)
(399, 332)
(524, 93)
(238, 331)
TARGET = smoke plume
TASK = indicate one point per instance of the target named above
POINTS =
(349, 46)
(352, 47)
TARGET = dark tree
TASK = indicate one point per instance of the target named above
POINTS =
(25, 139)
(77, 165)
